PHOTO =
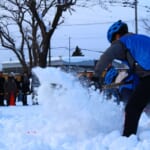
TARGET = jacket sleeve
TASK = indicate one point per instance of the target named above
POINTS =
(115, 51)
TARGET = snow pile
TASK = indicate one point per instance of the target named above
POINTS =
(79, 112)
(69, 117)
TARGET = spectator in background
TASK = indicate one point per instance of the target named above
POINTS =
(35, 83)
(2, 81)
(19, 87)
(10, 88)
(25, 87)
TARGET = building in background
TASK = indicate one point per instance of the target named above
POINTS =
(74, 64)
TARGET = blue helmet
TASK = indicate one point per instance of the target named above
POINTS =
(116, 27)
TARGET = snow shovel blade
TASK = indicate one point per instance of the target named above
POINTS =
(115, 85)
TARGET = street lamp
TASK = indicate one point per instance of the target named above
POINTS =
(69, 51)
(136, 17)
(133, 5)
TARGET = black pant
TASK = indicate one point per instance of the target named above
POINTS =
(1, 100)
(125, 95)
(135, 106)
(24, 99)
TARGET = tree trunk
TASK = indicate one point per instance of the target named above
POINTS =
(43, 55)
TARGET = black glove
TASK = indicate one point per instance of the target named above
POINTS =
(96, 82)
(95, 79)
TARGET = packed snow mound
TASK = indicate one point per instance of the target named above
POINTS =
(78, 110)
(69, 117)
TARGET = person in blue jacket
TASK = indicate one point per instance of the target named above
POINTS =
(135, 50)
(122, 91)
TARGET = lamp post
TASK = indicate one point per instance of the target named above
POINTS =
(133, 5)
(136, 17)
(69, 52)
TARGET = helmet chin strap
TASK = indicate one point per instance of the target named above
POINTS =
(117, 37)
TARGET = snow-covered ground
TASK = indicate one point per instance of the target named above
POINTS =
(69, 117)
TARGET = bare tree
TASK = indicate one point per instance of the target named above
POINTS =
(48, 30)
(147, 20)
(28, 17)
(13, 17)
(146, 25)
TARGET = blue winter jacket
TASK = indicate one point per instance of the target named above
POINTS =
(139, 47)
(132, 48)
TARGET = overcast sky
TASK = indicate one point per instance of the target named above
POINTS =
(87, 28)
